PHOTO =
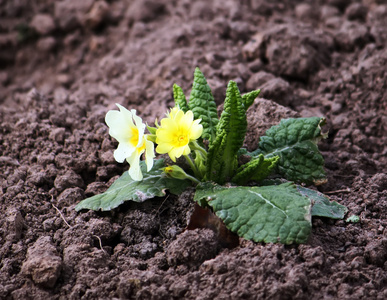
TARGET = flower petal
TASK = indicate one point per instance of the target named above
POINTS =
(196, 130)
(140, 127)
(126, 114)
(135, 169)
(149, 154)
(123, 151)
(163, 148)
(163, 135)
(177, 152)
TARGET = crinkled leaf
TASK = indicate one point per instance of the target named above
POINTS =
(222, 158)
(249, 98)
(353, 219)
(256, 169)
(322, 206)
(295, 142)
(203, 105)
(180, 100)
(154, 184)
(268, 214)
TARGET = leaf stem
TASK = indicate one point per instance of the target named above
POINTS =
(194, 145)
(192, 165)
(193, 179)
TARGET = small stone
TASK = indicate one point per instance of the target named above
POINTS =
(97, 15)
(96, 188)
(68, 180)
(43, 24)
(273, 88)
(251, 49)
(103, 229)
(107, 157)
(70, 13)
(193, 247)
(305, 11)
(45, 159)
(276, 89)
(46, 44)
(327, 12)
(37, 178)
(15, 223)
(64, 79)
(43, 264)
(145, 11)
(379, 181)
(376, 252)
(71, 196)
(356, 11)
(258, 79)
(352, 35)
(57, 134)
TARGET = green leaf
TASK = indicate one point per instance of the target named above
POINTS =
(222, 158)
(295, 142)
(180, 101)
(256, 169)
(249, 98)
(269, 214)
(125, 188)
(353, 219)
(322, 206)
(203, 105)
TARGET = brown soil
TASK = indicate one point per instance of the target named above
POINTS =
(63, 65)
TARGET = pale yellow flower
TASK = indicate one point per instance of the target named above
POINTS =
(175, 133)
(128, 129)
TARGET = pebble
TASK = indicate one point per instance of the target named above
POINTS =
(305, 11)
(46, 44)
(43, 264)
(14, 223)
(43, 24)
(193, 247)
(97, 15)
(356, 11)
(376, 252)
(57, 134)
(68, 180)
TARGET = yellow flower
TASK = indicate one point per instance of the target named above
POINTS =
(175, 133)
(128, 129)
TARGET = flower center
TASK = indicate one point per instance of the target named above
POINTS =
(142, 147)
(134, 138)
(182, 140)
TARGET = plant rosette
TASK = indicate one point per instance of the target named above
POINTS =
(263, 200)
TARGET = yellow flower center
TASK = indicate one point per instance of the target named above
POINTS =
(142, 147)
(182, 140)
(134, 138)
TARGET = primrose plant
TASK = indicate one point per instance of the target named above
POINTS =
(259, 195)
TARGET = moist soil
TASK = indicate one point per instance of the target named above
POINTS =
(64, 64)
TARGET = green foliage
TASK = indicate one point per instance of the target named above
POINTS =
(269, 214)
(294, 141)
(248, 99)
(353, 219)
(125, 188)
(322, 206)
(272, 212)
(222, 160)
(257, 169)
(180, 101)
(203, 105)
